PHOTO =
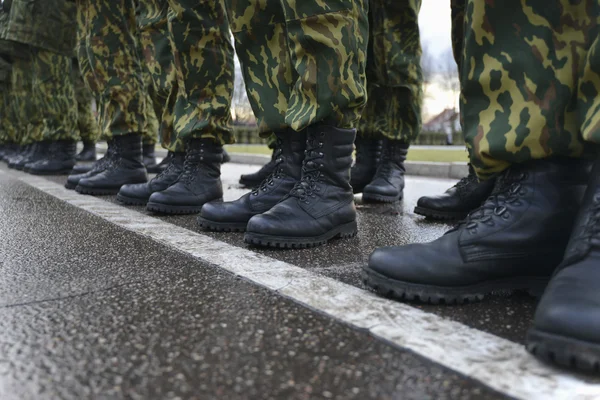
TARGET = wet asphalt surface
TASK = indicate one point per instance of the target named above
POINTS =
(89, 310)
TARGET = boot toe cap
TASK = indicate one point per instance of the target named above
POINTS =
(570, 305)
(226, 212)
(138, 191)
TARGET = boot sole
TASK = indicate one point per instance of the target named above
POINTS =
(429, 294)
(345, 231)
(440, 215)
(563, 351)
(222, 226)
(97, 191)
(131, 201)
(378, 198)
(48, 173)
(174, 210)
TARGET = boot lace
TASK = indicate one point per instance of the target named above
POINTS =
(277, 172)
(507, 191)
(311, 169)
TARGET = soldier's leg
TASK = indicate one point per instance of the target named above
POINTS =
(468, 193)
(5, 121)
(520, 113)
(566, 330)
(87, 124)
(304, 68)
(203, 59)
(54, 96)
(153, 125)
(108, 29)
(393, 112)
(21, 103)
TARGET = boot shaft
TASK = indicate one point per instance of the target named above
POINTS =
(368, 151)
(329, 154)
(202, 156)
(291, 146)
(394, 151)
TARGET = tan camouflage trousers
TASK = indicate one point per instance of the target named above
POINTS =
(394, 76)
(530, 81)
(303, 61)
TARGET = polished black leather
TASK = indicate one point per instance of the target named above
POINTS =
(149, 158)
(20, 158)
(199, 182)
(368, 155)
(254, 179)
(570, 306)
(387, 184)
(456, 202)
(288, 160)
(38, 151)
(97, 167)
(522, 229)
(88, 153)
(124, 167)
(140, 193)
(323, 199)
(59, 159)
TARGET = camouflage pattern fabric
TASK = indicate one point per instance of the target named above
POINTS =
(157, 57)
(457, 8)
(45, 24)
(110, 65)
(529, 81)
(87, 123)
(203, 59)
(54, 114)
(303, 62)
(150, 136)
(394, 76)
(20, 98)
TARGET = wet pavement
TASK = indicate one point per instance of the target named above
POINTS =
(91, 310)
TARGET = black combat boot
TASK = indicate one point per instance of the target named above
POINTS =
(23, 153)
(95, 168)
(226, 157)
(368, 155)
(59, 159)
(138, 194)
(149, 157)
(88, 153)
(38, 151)
(387, 186)
(9, 150)
(456, 202)
(566, 327)
(321, 206)
(254, 179)
(234, 215)
(124, 167)
(514, 241)
(199, 183)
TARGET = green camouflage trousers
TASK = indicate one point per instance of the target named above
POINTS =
(394, 76)
(302, 61)
(188, 52)
(87, 123)
(21, 100)
(54, 115)
(110, 65)
(457, 8)
(530, 81)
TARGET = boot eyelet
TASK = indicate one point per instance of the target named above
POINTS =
(506, 215)
(500, 210)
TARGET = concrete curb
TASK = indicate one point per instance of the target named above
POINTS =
(454, 170)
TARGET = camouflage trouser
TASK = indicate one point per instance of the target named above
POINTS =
(303, 61)
(530, 82)
(7, 130)
(188, 52)
(152, 128)
(457, 8)
(86, 121)
(110, 65)
(21, 100)
(54, 114)
(395, 80)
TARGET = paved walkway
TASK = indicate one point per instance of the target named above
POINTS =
(99, 300)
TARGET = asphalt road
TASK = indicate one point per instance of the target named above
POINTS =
(103, 301)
